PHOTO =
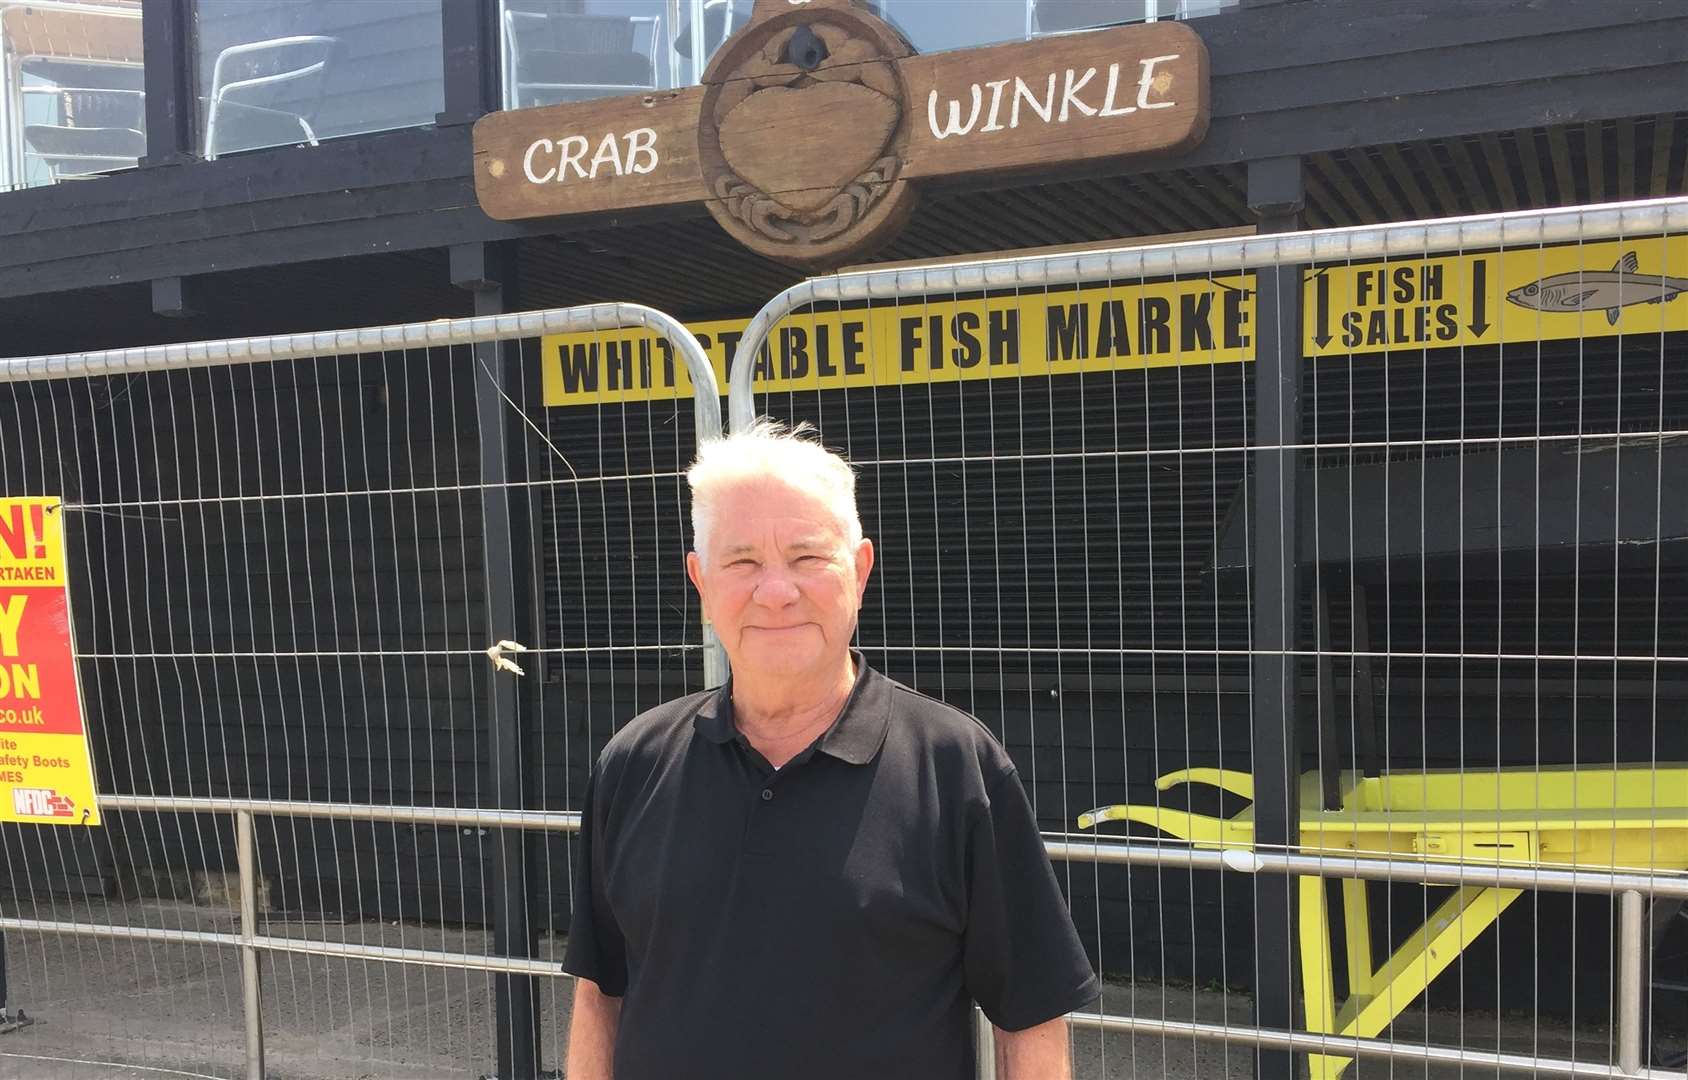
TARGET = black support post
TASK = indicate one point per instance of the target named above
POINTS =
(489, 271)
(1275, 195)
(473, 68)
(172, 112)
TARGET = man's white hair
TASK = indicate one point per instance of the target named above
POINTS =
(771, 451)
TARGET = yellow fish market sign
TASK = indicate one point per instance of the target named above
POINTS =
(1527, 295)
(1058, 332)
(1531, 294)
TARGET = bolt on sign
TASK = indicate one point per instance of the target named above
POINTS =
(816, 124)
(1007, 335)
(1628, 287)
(46, 772)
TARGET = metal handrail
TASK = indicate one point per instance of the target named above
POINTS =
(465, 817)
(1062, 847)
(1352, 1046)
(370, 339)
(1112, 852)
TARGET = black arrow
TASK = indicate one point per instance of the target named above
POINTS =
(1321, 308)
(1479, 297)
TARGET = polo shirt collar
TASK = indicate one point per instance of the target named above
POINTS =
(855, 737)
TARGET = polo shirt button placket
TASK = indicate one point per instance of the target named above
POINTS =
(767, 794)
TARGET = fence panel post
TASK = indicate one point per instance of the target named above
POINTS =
(250, 972)
(504, 569)
(1275, 194)
(1632, 994)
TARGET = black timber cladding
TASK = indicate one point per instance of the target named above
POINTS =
(1311, 77)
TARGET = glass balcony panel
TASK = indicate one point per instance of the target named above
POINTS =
(72, 90)
(283, 72)
(572, 50)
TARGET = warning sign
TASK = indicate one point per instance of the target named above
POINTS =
(1531, 294)
(46, 775)
(1046, 332)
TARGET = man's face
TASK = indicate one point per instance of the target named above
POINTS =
(781, 584)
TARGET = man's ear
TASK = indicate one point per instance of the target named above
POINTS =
(864, 567)
(694, 570)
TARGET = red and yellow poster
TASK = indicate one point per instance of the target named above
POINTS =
(46, 774)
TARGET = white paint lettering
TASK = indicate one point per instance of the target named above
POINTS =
(527, 162)
(1069, 94)
(641, 150)
(1044, 109)
(572, 149)
(1149, 82)
(954, 126)
(609, 153)
(996, 105)
(1113, 87)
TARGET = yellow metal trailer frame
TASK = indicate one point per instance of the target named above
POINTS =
(1611, 817)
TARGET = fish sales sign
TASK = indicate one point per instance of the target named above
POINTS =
(1625, 287)
(46, 776)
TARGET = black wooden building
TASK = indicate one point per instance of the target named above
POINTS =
(1374, 111)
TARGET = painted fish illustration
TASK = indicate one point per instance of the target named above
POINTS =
(1599, 290)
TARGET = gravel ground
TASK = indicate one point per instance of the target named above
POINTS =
(127, 1010)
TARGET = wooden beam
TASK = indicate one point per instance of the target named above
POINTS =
(1323, 200)
(1432, 170)
(1594, 160)
(1663, 128)
(1228, 182)
(1625, 135)
(1376, 183)
(1403, 174)
(473, 60)
(1477, 196)
(177, 298)
(167, 35)
(1065, 249)
(1501, 170)
(1529, 158)
(1167, 208)
(1329, 169)
(1114, 195)
(1682, 172)
(1560, 148)
(1198, 188)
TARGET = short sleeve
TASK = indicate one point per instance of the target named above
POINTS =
(1024, 963)
(596, 949)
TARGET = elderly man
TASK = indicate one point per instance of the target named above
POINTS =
(813, 872)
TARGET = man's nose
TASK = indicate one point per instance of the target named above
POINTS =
(776, 589)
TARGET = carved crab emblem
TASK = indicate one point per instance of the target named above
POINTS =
(803, 134)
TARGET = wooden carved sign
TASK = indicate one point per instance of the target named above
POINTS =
(816, 123)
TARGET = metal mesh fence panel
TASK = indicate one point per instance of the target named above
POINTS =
(1428, 560)
(286, 577)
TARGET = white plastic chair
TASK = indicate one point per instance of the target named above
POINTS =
(314, 50)
(75, 148)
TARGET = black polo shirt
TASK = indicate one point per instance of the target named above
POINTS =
(833, 920)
